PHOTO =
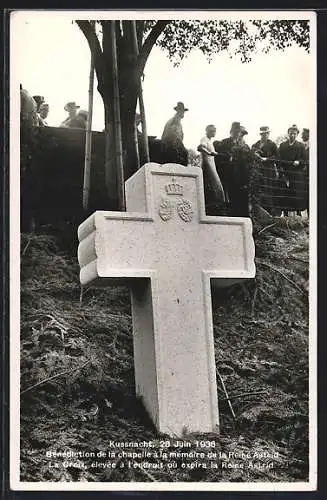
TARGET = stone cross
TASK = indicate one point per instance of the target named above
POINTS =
(168, 251)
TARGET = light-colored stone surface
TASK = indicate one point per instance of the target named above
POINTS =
(166, 240)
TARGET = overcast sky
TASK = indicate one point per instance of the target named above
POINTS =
(50, 57)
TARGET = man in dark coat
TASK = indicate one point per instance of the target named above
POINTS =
(233, 163)
(292, 162)
(223, 159)
(265, 152)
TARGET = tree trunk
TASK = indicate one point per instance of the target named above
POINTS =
(130, 69)
(117, 121)
(110, 165)
(129, 146)
(88, 139)
(128, 90)
(128, 99)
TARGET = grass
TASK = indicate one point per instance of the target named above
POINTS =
(77, 377)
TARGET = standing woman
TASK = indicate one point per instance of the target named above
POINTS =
(214, 192)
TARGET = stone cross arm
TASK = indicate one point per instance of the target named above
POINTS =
(126, 245)
(119, 246)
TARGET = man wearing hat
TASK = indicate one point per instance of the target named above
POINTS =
(173, 149)
(265, 151)
(224, 158)
(233, 164)
(264, 148)
(292, 161)
(71, 108)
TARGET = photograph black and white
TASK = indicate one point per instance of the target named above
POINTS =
(162, 213)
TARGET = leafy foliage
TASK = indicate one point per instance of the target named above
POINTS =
(238, 38)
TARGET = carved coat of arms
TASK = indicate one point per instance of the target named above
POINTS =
(165, 209)
(185, 210)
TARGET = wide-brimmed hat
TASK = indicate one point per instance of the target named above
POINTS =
(180, 107)
(293, 127)
(305, 130)
(71, 105)
(243, 130)
(235, 127)
(39, 99)
(264, 130)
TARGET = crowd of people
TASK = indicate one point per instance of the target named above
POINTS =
(239, 178)
(35, 111)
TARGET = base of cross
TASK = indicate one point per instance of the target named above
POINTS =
(170, 252)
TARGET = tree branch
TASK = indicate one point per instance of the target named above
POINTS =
(149, 43)
(95, 47)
